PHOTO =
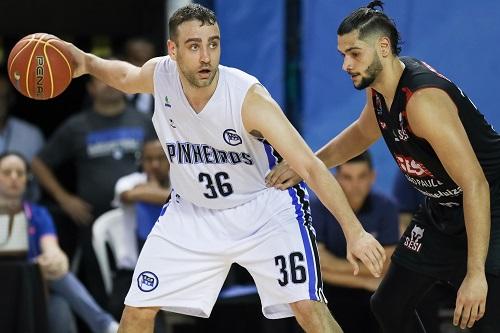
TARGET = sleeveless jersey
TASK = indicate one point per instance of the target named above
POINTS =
(414, 155)
(214, 162)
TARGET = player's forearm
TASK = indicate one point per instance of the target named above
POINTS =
(112, 72)
(47, 179)
(331, 195)
(349, 143)
(478, 223)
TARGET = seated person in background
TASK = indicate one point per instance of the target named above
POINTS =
(17, 134)
(141, 195)
(348, 295)
(64, 288)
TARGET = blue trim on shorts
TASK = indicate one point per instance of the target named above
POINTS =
(307, 244)
(308, 237)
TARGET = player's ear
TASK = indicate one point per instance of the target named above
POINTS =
(172, 49)
(385, 46)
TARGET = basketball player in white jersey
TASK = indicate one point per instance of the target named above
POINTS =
(222, 132)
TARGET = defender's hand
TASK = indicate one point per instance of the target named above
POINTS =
(366, 248)
(282, 177)
(471, 300)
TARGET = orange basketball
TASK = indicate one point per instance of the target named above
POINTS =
(39, 66)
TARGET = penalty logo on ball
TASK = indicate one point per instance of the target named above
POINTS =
(147, 281)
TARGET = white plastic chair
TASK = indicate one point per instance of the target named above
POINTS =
(113, 229)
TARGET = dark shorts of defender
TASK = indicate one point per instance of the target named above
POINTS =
(434, 248)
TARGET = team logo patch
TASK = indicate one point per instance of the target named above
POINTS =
(167, 104)
(413, 242)
(231, 137)
(147, 281)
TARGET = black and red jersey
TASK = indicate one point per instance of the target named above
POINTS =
(414, 155)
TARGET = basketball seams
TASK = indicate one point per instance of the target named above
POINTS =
(62, 55)
(29, 64)
(19, 52)
(50, 70)
(28, 53)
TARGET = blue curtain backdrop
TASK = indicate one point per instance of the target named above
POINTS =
(253, 39)
(458, 38)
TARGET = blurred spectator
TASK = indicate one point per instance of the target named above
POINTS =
(348, 295)
(137, 51)
(101, 144)
(16, 134)
(141, 195)
(65, 291)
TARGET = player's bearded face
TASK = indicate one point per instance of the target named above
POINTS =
(198, 53)
(370, 74)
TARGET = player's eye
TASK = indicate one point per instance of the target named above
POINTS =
(213, 45)
(194, 47)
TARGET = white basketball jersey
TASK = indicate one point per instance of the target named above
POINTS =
(214, 162)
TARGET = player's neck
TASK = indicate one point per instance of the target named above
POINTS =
(199, 97)
(388, 79)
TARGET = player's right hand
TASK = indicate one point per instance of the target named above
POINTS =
(78, 60)
(77, 209)
(282, 176)
(366, 248)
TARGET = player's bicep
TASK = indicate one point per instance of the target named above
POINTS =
(141, 79)
(433, 116)
(262, 114)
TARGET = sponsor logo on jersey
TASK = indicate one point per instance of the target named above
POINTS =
(401, 133)
(167, 103)
(413, 242)
(147, 281)
(411, 167)
(454, 192)
(231, 137)
(193, 153)
(430, 183)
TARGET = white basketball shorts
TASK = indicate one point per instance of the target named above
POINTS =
(187, 255)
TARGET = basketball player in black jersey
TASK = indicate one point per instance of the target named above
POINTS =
(447, 150)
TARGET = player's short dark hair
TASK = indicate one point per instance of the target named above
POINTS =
(365, 157)
(190, 12)
(368, 20)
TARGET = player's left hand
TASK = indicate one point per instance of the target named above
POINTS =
(471, 300)
(367, 249)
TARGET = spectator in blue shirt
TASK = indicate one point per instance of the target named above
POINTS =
(64, 288)
(349, 295)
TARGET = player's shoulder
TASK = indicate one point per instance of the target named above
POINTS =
(237, 78)
(164, 65)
